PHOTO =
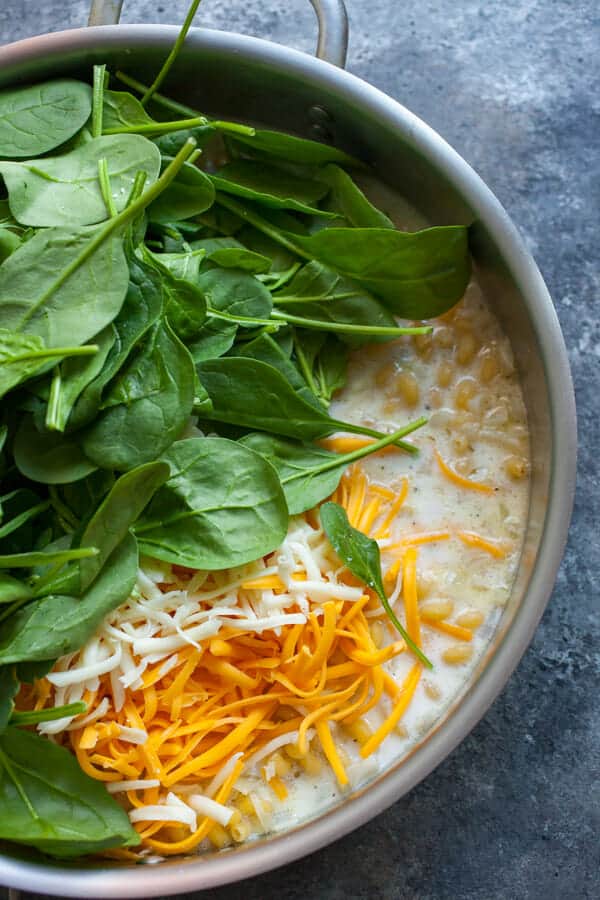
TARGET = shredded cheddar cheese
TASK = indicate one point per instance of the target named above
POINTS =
(205, 680)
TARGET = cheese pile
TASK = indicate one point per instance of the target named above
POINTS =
(202, 677)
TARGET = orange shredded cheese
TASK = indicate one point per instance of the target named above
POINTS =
(460, 480)
(494, 548)
(211, 706)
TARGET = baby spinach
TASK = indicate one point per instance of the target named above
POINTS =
(147, 406)
(236, 293)
(270, 186)
(254, 395)
(141, 309)
(76, 373)
(288, 148)
(60, 283)
(9, 688)
(265, 349)
(43, 558)
(190, 193)
(360, 554)
(36, 119)
(59, 624)
(223, 506)
(49, 457)
(318, 292)
(12, 590)
(117, 513)
(23, 355)
(347, 199)
(122, 111)
(308, 473)
(64, 190)
(50, 803)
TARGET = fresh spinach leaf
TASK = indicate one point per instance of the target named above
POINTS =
(12, 590)
(347, 199)
(360, 554)
(287, 147)
(236, 293)
(49, 457)
(9, 688)
(223, 506)
(76, 373)
(214, 339)
(318, 292)
(170, 144)
(59, 283)
(272, 187)
(229, 253)
(308, 473)
(140, 311)
(117, 513)
(48, 802)
(189, 194)
(36, 119)
(9, 241)
(52, 626)
(121, 110)
(254, 395)
(147, 407)
(267, 350)
(64, 190)
(43, 558)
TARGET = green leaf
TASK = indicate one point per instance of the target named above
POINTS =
(52, 626)
(360, 554)
(254, 395)
(43, 558)
(272, 187)
(214, 339)
(140, 311)
(236, 293)
(49, 457)
(36, 119)
(189, 194)
(418, 275)
(56, 284)
(288, 148)
(9, 688)
(49, 803)
(9, 241)
(347, 199)
(223, 506)
(77, 372)
(64, 190)
(170, 144)
(122, 110)
(12, 590)
(267, 350)
(318, 292)
(50, 714)
(308, 474)
(147, 406)
(117, 513)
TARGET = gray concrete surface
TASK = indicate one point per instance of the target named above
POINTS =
(512, 84)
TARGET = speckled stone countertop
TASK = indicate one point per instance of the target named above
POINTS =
(514, 812)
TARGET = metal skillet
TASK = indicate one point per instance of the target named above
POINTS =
(248, 79)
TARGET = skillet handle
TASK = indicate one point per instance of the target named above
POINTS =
(332, 17)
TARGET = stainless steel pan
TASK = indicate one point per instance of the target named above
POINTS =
(250, 79)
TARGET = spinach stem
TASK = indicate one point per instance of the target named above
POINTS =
(260, 223)
(241, 320)
(281, 301)
(61, 509)
(40, 558)
(183, 110)
(345, 459)
(403, 632)
(123, 218)
(32, 717)
(98, 99)
(53, 407)
(166, 66)
(137, 187)
(31, 513)
(105, 188)
(52, 353)
(160, 127)
(345, 328)
(370, 432)
(304, 366)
